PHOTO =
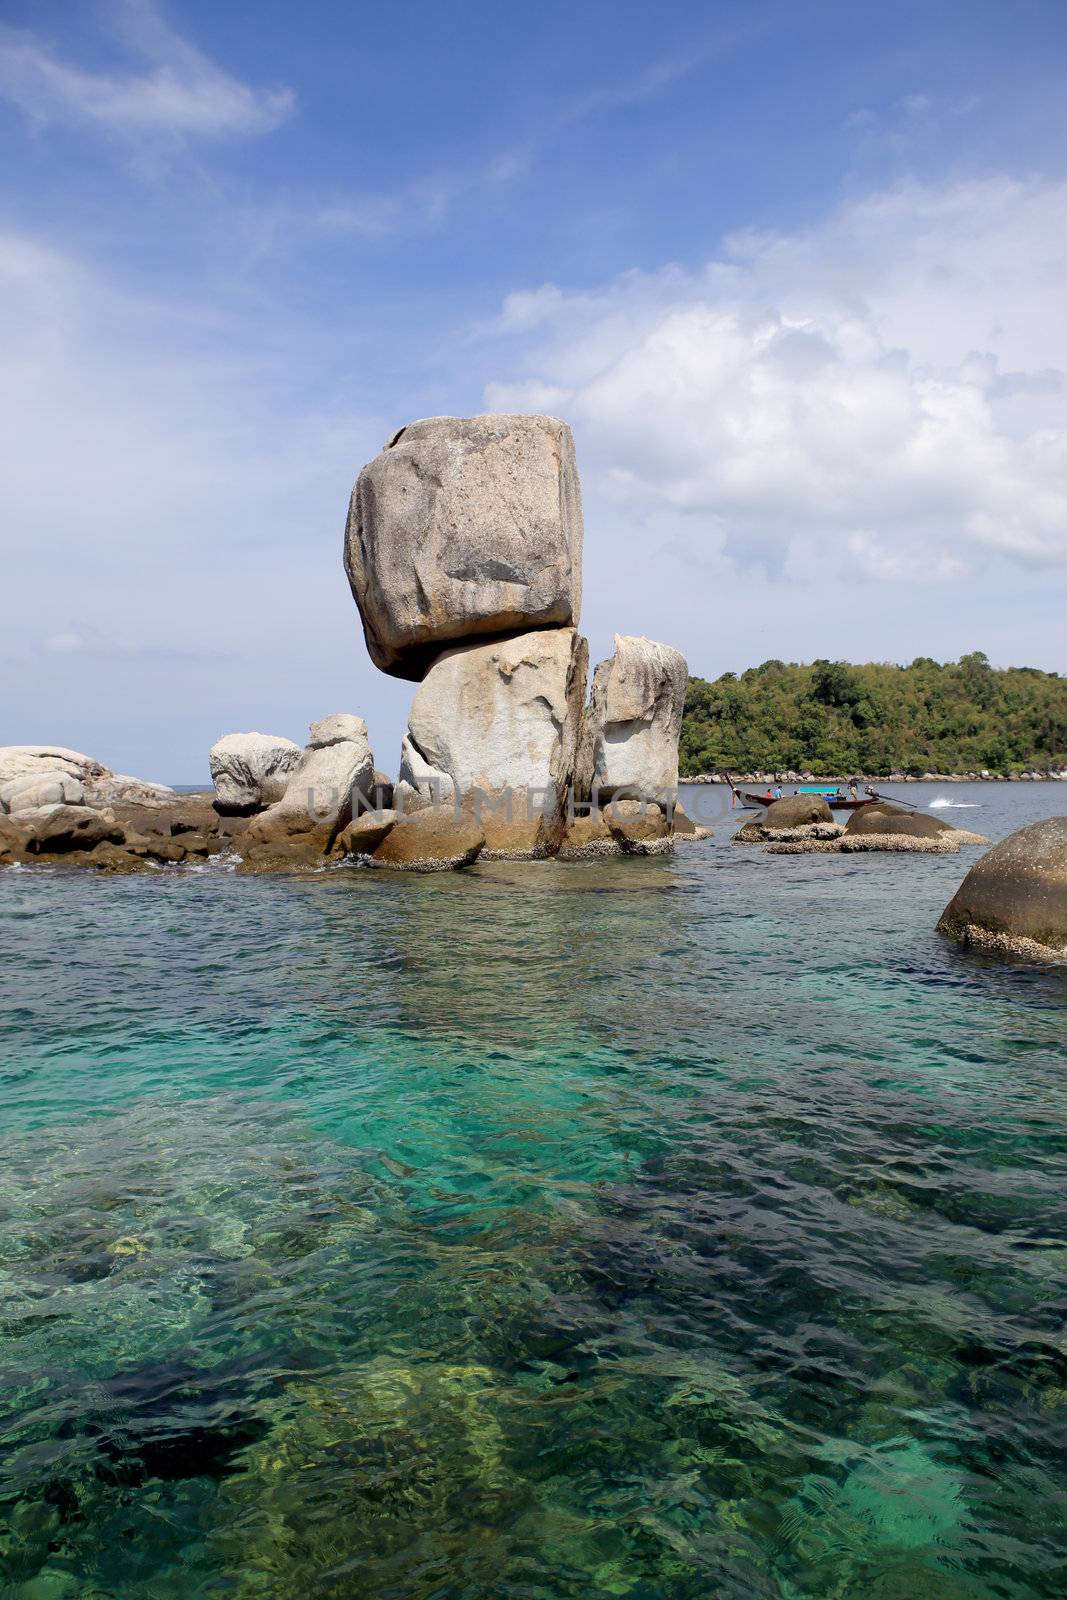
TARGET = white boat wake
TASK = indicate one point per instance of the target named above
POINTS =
(941, 804)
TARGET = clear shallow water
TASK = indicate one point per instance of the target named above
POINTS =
(667, 1229)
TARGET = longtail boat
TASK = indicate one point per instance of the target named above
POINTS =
(834, 794)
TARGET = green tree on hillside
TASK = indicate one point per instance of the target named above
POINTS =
(835, 718)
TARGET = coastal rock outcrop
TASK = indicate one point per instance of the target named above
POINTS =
(335, 771)
(795, 820)
(631, 727)
(57, 829)
(250, 770)
(464, 526)
(49, 787)
(619, 828)
(16, 760)
(497, 724)
(796, 811)
(1015, 898)
(686, 830)
(434, 840)
(883, 826)
(117, 788)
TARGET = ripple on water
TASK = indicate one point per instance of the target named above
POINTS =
(661, 1229)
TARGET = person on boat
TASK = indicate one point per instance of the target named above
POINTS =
(777, 791)
(853, 791)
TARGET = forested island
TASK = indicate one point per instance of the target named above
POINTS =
(836, 718)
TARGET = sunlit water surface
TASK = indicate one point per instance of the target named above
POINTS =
(673, 1229)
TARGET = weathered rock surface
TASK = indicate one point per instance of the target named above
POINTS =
(14, 840)
(881, 820)
(631, 727)
(117, 788)
(586, 837)
(1015, 898)
(435, 840)
(336, 768)
(55, 829)
(45, 788)
(363, 835)
(16, 760)
(618, 828)
(250, 770)
(638, 827)
(420, 783)
(334, 772)
(499, 720)
(796, 811)
(464, 526)
(100, 787)
(686, 831)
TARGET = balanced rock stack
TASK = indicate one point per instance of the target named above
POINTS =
(464, 553)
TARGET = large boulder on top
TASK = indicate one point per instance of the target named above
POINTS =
(631, 727)
(462, 526)
(250, 770)
(1015, 898)
(496, 726)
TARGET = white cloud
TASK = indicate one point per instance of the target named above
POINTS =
(173, 486)
(179, 93)
(885, 390)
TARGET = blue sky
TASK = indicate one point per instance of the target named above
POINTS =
(794, 273)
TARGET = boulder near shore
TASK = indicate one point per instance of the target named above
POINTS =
(1015, 898)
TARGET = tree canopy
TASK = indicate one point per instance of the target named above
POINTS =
(834, 718)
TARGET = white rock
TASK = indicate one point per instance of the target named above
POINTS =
(335, 729)
(323, 783)
(464, 526)
(251, 769)
(420, 783)
(18, 759)
(45, 788)
(631, 727)
(119, 789)
(330, 775)
(498, 717)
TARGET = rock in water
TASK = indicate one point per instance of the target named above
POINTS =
(631, 726)
(463, 526)
(436, 840)
(250, 770)
(496, 726)
(334, 772)
(883, 826)
(49, 787)
(1015, 898)
(796, 811)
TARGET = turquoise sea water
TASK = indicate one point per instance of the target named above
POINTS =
(674, 1229)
